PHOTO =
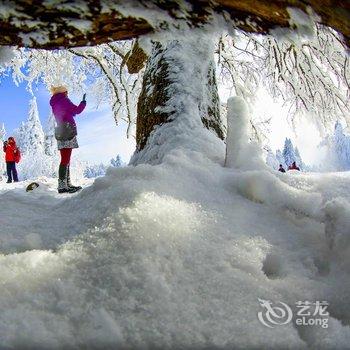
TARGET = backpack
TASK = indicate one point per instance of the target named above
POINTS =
(65, 131)
(17, 155)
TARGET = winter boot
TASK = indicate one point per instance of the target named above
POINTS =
(68, 181)
(62, 180)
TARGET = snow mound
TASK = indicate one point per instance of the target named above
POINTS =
(173, 255)
(241, 152)
(264, 187)
(337, 213)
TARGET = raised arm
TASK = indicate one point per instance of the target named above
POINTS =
(76, 109)
(80, 107)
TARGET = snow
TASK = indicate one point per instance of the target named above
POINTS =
(335, 149)
(6, 55)
(302, 26)
(285, 158)
(240, 151)
(83, 25)
(304, 22)
(174, 255)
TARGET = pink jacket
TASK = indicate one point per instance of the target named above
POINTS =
(64, 110)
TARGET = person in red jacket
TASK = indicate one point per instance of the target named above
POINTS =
(293, 166)
(12, 155)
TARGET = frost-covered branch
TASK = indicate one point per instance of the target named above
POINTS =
(100, 70)
(309, 74)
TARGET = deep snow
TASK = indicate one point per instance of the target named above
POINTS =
(173, 255)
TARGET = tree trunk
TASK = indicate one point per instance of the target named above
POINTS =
(179, 91)
(56, 24)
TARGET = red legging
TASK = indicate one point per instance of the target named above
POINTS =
(65, 156)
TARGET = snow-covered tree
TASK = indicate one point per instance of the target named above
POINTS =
(280, 159)
(298, 159)
(50, 143)
(341, 146)
(271, 159)
(297, 68)
(33, 144)
(21, 137)
(2, 132)
(30, 135)
(117, 161)
(286, 157)
(168, 94)
(95, 170)
(291, 154)
(337, 149)
(34, 130)
(288, 152)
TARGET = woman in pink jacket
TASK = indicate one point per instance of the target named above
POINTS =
(64, 111)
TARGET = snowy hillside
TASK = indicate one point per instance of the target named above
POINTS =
(174, 255)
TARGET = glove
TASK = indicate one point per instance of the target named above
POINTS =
(84, 98)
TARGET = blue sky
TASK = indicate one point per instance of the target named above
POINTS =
(99, 137)
(14, 104)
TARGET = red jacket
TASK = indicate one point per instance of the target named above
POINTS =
(293, 167)
(11, 151)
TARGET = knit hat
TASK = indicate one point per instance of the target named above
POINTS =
(58, 89)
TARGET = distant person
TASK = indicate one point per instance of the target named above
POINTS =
(66, 133)
(281, 169)
(12, 156)
(293, 166)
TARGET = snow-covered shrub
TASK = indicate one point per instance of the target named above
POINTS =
(264, 187)
(336, 148)
(95, 170)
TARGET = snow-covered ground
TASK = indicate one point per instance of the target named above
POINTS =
(174, 255)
